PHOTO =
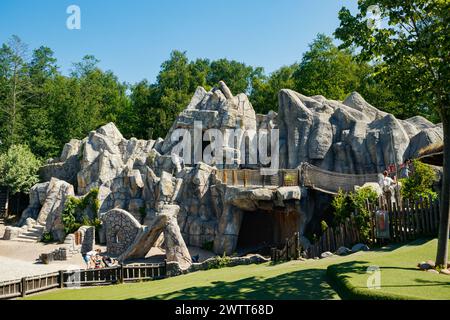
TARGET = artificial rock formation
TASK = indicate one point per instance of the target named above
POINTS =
(348, 137)
(144, 191)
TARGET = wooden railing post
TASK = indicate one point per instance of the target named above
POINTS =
(297, 246)
(121, 274)
(61, 279)
(245, 178)
(24, 287)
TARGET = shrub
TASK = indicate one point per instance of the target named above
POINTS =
(47, 237)
(74, 214)
(354, 204)
(19, 169)
(420, 182)
(323, 225)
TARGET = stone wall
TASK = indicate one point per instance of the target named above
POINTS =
(121, 229)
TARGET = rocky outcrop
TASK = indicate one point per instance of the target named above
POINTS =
(148, 192)
(349, 137)
(136, 240)
(50, 215)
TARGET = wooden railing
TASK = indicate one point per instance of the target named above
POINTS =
(86, 277)
(254, 178)
(290, 251)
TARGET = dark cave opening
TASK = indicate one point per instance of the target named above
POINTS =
(263, 230)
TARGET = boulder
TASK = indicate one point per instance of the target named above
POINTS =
(326, 254)
(425, 266)
(343, 251)
(360, 247)
(50, 215)
(445, 271)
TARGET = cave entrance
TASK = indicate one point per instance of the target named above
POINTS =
(261, 230)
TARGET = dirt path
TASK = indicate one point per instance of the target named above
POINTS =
(20, 259)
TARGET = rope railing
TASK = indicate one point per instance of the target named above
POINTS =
(331, 182)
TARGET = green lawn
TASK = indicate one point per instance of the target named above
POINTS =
(400, 279)
(292, 280)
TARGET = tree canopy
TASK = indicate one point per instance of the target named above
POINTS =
(18, 169)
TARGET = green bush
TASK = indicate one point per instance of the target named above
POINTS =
(420, 182)
(323, 225)
(74, 215)
(47, 237)
(355, 204)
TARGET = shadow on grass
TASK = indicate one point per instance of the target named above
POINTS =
(395, 246)
(307, 284)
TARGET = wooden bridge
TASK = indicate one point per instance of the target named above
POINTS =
(306, 175)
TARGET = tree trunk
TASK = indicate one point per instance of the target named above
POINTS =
(444, 223)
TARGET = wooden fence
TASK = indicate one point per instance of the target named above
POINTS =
(254, 178)
(86, 277)
(290, 251)
(405, 222)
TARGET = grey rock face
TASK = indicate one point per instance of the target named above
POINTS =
(348, 137)
(58, 192)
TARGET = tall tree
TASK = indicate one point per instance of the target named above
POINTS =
(15, 87)
(38, 128)
(414, 42)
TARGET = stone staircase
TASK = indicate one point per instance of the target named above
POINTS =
(33, 234)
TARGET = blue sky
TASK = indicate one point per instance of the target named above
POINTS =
(132, 38)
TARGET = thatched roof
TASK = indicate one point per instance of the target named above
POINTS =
(433, 154)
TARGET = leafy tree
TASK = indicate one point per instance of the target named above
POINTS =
(238, 76)
(14, 86)
(37, 125)
(264, 96)
(18, 169)
(413, 42)
(328, 71)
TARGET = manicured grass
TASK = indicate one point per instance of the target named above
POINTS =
(293, 280)
(400, 279)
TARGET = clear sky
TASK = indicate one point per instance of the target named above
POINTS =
(132, 38)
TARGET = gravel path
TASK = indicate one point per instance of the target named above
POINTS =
(19, 259)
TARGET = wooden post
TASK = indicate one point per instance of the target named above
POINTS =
(225, 177)
(61, 279)
(234, 177)
(431, 211)
(245, 177)
(24, 287)
(121, 274)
